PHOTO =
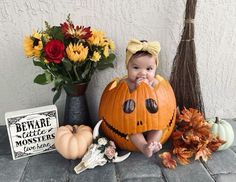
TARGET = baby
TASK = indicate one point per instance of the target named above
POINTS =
(141, 62)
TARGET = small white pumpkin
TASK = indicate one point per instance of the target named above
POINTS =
(223, 130)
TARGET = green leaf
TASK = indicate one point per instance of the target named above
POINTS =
(67, 64)
(57, 34)
(58, 81)
(107, 62)
(66, 79)
(104, 66)
(47, 25)
(86, 70)
(48, 77)
(41, 79)
(40, 64)
(95, 65)
(111, 57)
(54, 69)
(57, 95)
(68, 19)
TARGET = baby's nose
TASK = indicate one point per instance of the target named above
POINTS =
(143, 72)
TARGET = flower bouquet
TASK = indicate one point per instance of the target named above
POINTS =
(68, 54)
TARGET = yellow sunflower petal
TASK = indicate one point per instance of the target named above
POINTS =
(106, 51)
(28, 46)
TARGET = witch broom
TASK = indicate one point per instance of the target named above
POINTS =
(184, 77)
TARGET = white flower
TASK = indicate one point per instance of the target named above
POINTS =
(102, 141)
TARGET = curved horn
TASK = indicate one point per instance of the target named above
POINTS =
(121, 158)
(96, 129)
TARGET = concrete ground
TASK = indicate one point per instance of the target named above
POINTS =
(53, 167)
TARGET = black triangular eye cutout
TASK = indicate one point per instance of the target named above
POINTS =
(129, 106)
(151, 105)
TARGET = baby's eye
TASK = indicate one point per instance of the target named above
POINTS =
(149, 68)
(135, 67)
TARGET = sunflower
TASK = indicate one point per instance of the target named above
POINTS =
(77, 52)
(33, 45)
(96, 56)
(97, 38)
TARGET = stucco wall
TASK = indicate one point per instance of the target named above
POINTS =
(215, 28)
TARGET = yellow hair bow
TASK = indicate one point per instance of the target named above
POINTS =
(135, 45)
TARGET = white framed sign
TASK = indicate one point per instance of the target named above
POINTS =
(32, 131)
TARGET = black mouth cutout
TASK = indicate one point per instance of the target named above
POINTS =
(124, 135)
(120, 134)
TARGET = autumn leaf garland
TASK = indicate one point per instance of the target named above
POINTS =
(192, 137)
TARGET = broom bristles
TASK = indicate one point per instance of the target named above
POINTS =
(184, 77)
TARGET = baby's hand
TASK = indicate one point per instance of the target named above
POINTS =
(139, 80)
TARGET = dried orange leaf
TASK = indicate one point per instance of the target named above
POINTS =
(193, 136)
(167, 160)
(191, 115)
(178, 143)
(183, 161)
(183, 155)
(185, 115)
(190, 137)
(184, 126)
(202, 132)
(176, 135)
(203, 152)
(215, 143)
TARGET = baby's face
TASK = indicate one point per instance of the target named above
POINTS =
(142, 68)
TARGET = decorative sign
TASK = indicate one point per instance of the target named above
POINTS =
(32, 131)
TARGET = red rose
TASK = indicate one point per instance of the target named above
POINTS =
(54, 51)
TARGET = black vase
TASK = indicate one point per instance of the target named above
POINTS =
(76, 108)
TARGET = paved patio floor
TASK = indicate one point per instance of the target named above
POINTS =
(53, 167)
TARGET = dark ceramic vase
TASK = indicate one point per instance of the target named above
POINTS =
(76, 108)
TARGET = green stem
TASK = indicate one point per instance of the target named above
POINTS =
(50, 71)
(217, 120)
(69, 75)
(75, 71)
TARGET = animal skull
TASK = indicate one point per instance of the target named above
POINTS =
(94, 156)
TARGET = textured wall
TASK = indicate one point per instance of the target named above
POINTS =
(121, 20)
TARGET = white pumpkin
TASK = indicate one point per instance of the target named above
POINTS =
(223, 130)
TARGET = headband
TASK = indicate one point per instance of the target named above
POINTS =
(135, 45)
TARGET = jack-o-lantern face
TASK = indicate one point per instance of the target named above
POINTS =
(125, 113)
